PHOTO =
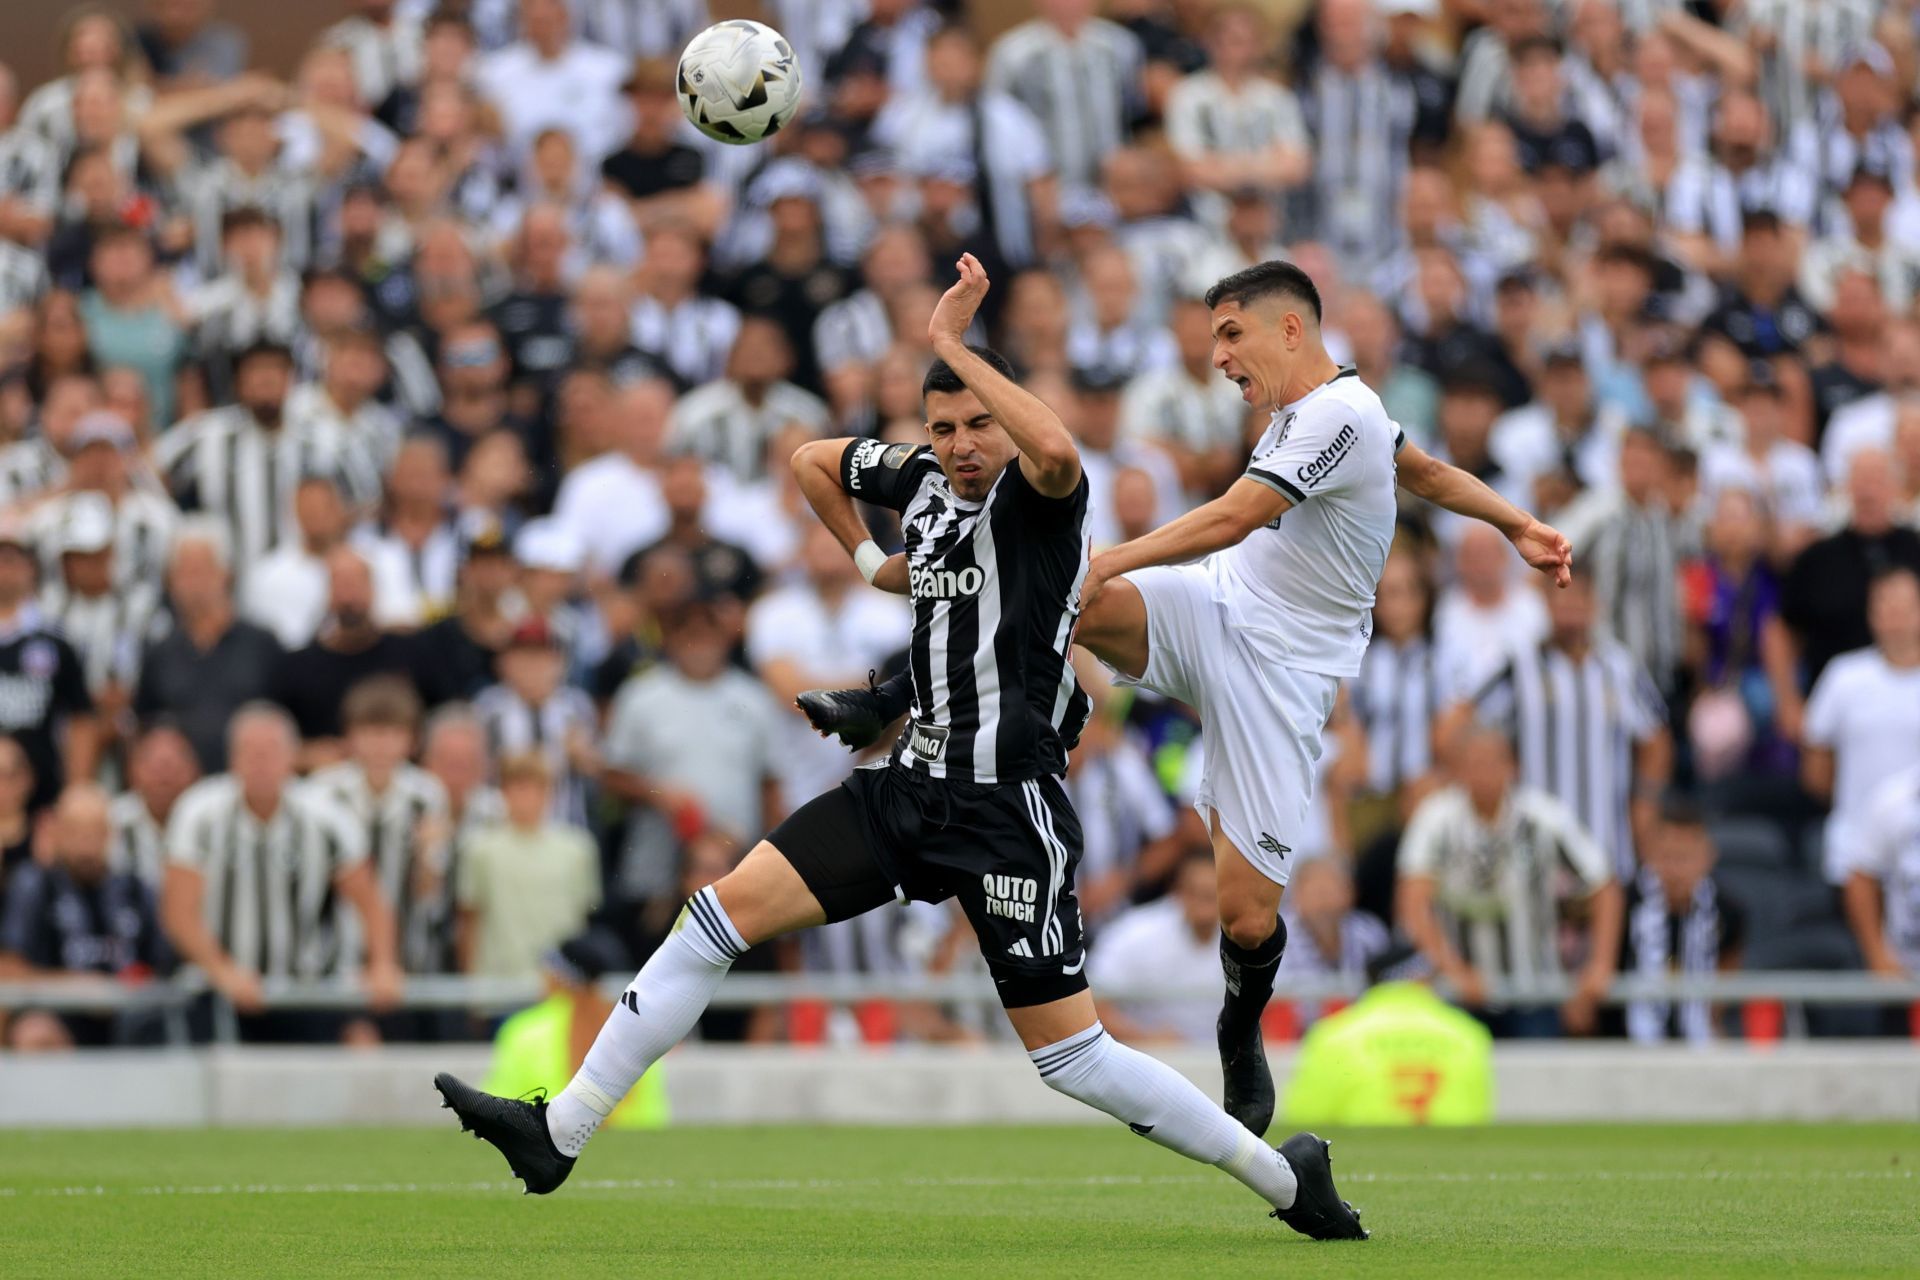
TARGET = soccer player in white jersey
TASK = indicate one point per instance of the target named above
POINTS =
(1252, 608)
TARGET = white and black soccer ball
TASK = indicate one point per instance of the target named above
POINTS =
(739, 82)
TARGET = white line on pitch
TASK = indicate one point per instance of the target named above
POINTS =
(843, 1184)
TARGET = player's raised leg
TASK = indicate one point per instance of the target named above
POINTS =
(1075, 1055)
(760, 899)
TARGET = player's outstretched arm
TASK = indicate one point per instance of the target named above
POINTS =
(819, 468)
(1208, 528)
(1539, 544)
(1048, 456)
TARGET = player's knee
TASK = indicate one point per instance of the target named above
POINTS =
(1247, 925)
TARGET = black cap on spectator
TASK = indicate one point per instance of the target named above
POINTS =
(1470, 378)
(1565, 352)
(244, 217)
(1758, 220)
(1098, 380)
(1400, 962)
(587, 957)
(1521, 277)
(263, 349)
(1762, 380)
(1872, 169)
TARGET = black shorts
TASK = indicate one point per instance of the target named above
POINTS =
(1007, 852)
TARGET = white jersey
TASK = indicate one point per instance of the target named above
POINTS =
(1305, 582)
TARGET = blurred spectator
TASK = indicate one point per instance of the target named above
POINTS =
(403, 810)
(1867, 422)
(1824, 595)
(413, 546)
(1131, 836)
(1093, 415)
(1482, 891)
(691, 743)
(531, 709)
(472, 369)
(187, 46)
(1881, 892)
(1565, 431)
(1737, 659)
(1485, 613)
(1585, 721)
(724, 573)
(524, 883)
(1400, 688)
(1067, 45)
(1634, 557)
(16, 817)
(160, 767)
(1172, 942)
(288, 591)
(1232, 126)
(1187, 409)
(730, 421)
(951, 121)
(612, 503)
(46, 708)
(101, 465)
(1411, 396)
(105, 625)
(1780, 473)
(132, 318)
(454, 657)
(1399, 1056)
(75, 915)
(827, 631)
(312, 682)
(672, 319)
(1679, 921)
(255, 299)
(242, 463)
(661, 176)
(551, 79)
(1864, 714)
(1326, 934)
(207, 663)
(250, 856)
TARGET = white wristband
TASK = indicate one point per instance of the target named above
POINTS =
(868, 557)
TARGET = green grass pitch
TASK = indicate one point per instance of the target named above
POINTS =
(987, 1202)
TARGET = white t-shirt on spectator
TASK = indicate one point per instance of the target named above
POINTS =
(1154, 945)
(1104, 466)
(1867, 712)
(1867, 423)
(613, 506)
(1887, 848)
(836, 646)
(286, 593)
(1787, 479)
(717, 423)
(579, 91)
(1470, 640)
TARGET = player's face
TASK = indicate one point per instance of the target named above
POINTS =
(972, 448)
(1255, 348)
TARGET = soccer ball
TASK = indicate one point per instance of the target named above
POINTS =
(738, 82)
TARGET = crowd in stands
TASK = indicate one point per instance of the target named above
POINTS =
(401, 572)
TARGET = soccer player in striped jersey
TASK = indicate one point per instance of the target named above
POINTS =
(1254, 620)
(970, 806)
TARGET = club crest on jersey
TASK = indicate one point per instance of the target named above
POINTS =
(926, 582)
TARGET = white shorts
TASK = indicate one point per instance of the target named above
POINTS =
(1260, 722)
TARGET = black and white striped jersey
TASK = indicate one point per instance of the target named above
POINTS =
(406, 828)
(513, 725)
(208, 192)
(138, 843)
(268, 887)
(224, 463)
(1574, 726)
(143, 524)
(28, 468)
(30, 170)
(23, 276)
(1397, 695)
(995, 588)
(108, 632)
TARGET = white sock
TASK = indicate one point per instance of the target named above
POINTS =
(1163, 1106)
(655, 1013)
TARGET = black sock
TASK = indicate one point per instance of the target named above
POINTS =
(1250, 974)
(895, 696)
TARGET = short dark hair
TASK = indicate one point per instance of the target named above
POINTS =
(1536, 46)
(941, 377)
(1262, 279)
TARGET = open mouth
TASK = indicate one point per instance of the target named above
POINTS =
(1243, 382)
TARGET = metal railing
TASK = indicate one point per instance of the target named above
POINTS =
(170, 999)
